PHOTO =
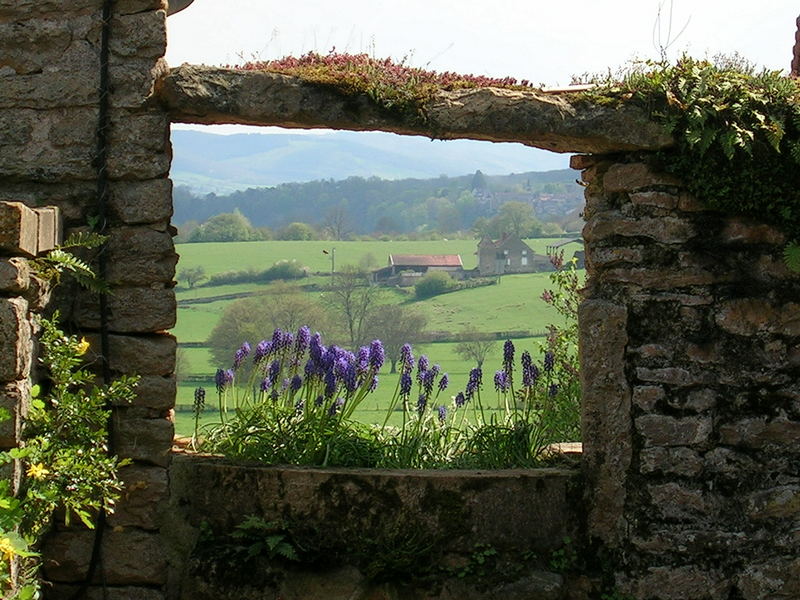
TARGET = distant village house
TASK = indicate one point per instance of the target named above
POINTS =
(509, 254)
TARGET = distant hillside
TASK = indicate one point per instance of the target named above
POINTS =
(358, 205)
(209, 162)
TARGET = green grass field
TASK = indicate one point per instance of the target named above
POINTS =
(513, 304)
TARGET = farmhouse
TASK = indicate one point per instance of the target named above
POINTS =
(406, 269)
(509, 254)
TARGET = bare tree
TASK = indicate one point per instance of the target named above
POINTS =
(474, 345)
(337, 221)
(394, 325)
(352, 297)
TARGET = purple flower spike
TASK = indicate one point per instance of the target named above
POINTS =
(529, 375)
(274, 369)
(223, 378)
(302, 340)
(241, 354)
(377, 355)
(406, 358)
(508, 356)
(263, 349)
(297, 383)
(315, 348)
(373, 384)
(319, 401)
(428, 377)
(549, 361)
(443, 382)
(349, 378)
(288, 340)
(553, 390)
(199, 399)
(460, 400)
(277, 339)
(330, 384)
(422, 364)
(526, 360)
(405, 385)
(362, 359)
(474, 383)
(265, 384)
(501, 381)
(422, 402)
(442, 410)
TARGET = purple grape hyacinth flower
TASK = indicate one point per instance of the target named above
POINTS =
(443, 382)
(362, 359)
(199, 399)
(474, 383)
(553, 390)
(263, 350)
(529, 375)
(406, 358)
(461, 400)
(266, 383)
(373, 385)
(405, 384)
(549, 361)
(302, 340)
(508, 356)
(501, 382)
(223, 378)
(442, 410)
(241, 354)
(377, 355)
(296, 383)
(422, 402)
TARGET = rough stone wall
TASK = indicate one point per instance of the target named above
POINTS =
(49, 99)
(691, 363)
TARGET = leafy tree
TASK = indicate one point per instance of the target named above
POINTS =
(474, 345)
(192, 275)
(433, 284)
(227, 227)
(297, 231)
(352, 297)
(255, 318)
(394, 325)
(517, 219)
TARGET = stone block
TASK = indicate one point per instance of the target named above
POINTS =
(657, 199)
(140, 256)
(602, 257)
(143, 440)
(674, 376)
(606, 414)
(15, 275)
(635, 176)
(582, 161)
(136, 355)
(659, 430)
(683, 462)
(135, 202)
(131, 310)
(745, 231)
(690, 204)
(144, 492)
(647, 397)
(660, 278)
(679, 502)
(38, 293)
(139, 146)
(139, 35)
(50, 229)
(130, 557)
(782, 502)
(665, 230)
(19, 229)
(677, 583)
(15, 339)
(777, 579)
(696, 400)
(15, 398)
(751, 316)
(155, 392)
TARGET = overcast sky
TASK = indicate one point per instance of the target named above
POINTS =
(545, 42)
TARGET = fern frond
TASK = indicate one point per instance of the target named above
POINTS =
(84, 239)
(791, 256)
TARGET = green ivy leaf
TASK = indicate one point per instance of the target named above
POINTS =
(791, 256)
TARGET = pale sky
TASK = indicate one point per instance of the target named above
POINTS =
(545, 42)
(529, 39)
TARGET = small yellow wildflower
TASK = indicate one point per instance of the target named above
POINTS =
(38, 471)
(82, 346)
(7, 549)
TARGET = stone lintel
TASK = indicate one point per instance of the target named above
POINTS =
(199, 94)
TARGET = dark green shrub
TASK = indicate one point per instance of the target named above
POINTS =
(433, 284)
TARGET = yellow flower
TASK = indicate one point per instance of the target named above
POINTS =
(7, 549)
(38, 471)
(82, 346)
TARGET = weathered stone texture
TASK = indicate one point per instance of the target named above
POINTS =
(144, 440)
(15, 275)
(19, 229)
(144, 492)
(130, 557)
(194, 94)
(15, 398)
(15, 339)
(131, 310)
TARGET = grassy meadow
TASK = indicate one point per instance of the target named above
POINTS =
(513, 304)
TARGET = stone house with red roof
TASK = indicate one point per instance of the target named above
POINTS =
(407, 269)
